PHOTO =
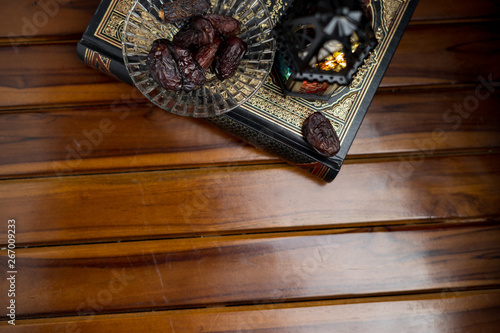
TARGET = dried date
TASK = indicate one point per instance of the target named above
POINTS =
(192, 74)
(228, 57)
(205, 55)
(182, 10)
(197, 32)
(224, 25)
(163, 67)
(321, 135)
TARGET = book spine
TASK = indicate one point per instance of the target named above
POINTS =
(102, 62)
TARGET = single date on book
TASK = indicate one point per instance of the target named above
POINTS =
(320, 134)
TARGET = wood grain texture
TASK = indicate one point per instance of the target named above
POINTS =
(166, 224)
(126, 137)
(454, 54)
(74, 280)
(448, 54)
(448, 311)
(139, 136)
(23, 20)
(33, 74)
(409, 122)
(204, 201)
(451, 10)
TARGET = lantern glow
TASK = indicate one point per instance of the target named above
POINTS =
(321, 44)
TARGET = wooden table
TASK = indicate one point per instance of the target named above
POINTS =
(128, 219)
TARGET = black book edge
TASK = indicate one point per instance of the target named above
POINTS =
(241, 123)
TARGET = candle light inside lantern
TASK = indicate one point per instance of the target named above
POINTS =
(321, 44)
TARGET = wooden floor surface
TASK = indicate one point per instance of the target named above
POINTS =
(168, 224)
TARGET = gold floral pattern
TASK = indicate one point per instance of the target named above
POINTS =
(342, 108)
(363, 70)
(389, 10)
(111, 27)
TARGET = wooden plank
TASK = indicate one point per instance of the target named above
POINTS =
(52, 74)
(99, 139)
(139, 136)
(194, 272)
(425, 122)
(23, 20)
(447, 54)
(40, 66)
(209, 201)
(435, 313)
(450, 10)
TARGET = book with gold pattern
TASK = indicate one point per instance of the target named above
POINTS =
(271, 120)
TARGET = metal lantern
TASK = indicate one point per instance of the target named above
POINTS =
(321, 44)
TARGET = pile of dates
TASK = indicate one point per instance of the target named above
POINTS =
(204, 40)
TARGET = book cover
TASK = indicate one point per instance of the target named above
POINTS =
(270, 120)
